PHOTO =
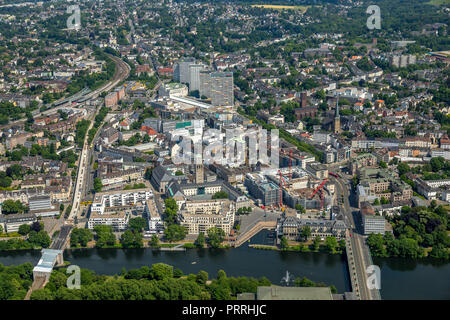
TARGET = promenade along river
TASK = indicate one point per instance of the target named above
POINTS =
(400, 278)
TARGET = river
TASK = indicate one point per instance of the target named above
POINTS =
(400, 278)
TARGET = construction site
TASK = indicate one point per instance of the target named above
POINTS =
(299, 187)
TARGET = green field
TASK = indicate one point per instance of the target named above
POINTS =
(438, 2)
(281, 7)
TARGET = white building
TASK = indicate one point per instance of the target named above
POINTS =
(118, 220)
(155, 223)
(120, 198)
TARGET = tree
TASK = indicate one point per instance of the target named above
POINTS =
(171, 210)
(300, 208)
(39, 239)
(10, 207)
(98, 184)
(131, 239)
(175, 232)
(215, 237)
(220, 195)
(437, 163)
(331, 244)
(200, 241)
(375, 242)
(154, 242)
(36, 226)
(148, 174)
(137, 224)
(80, 237)
(104, 236)
(161, 271)
(305, 233)
(376, 202)
(316, 243)
(383, 164)
(202, 277)
(177, 273)
(342, 245)
(284, 243)
(221, 275)
(24, 229)
(403, 168)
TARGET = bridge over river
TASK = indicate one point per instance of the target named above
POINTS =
(50, 258)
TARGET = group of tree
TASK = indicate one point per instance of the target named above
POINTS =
(175, 232)
(244, 210)
(13, 206)
(305, 282)
(13, 172)
(132, 237)
(414, 230)
(46, 152)
(98, 184)
(220, 195)
(15, 281)
(104, 236)
(170, 211)
(80, 237)
(215, 237)
(158, 282)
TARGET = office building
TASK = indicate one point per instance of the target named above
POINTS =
(260, 188)
(371, 222)
(12, 222)
(181, 72)
(218, 86)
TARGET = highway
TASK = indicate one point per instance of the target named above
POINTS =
(358, 249)
(122, 72)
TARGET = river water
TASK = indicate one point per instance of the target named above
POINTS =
(400, 278)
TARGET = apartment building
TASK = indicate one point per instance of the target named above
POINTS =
(120, 199)
(201, 215)
(153, 212)
(361, 161)
(378, 183)
(117, 220)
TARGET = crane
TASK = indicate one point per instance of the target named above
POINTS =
(290, 165)
(320, 187)
(281, 189)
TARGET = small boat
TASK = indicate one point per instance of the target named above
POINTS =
(193, 262)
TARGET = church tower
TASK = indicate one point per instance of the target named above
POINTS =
(337, 119)
(199, 174)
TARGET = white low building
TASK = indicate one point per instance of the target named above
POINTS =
(120, 198)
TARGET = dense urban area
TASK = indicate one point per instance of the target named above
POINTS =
(102, 124)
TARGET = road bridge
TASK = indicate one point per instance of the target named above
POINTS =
(358, 254)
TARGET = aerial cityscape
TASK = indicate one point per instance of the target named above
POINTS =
(224, 150)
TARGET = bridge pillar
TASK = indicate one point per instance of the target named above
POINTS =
(60, 259)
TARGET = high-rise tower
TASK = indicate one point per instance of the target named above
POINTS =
(337, 119)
